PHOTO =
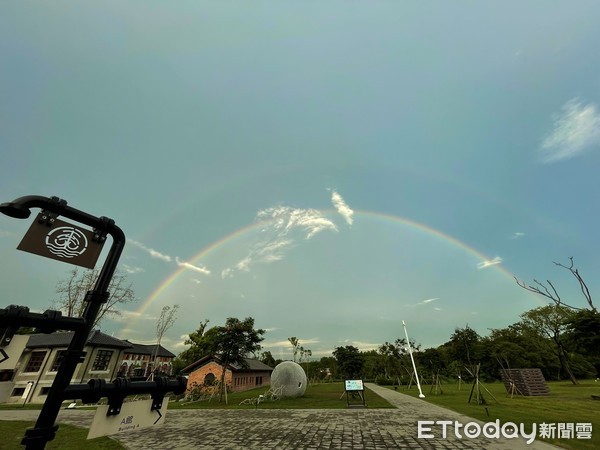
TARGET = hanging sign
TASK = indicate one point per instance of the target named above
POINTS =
(62, 241)
(133, 416)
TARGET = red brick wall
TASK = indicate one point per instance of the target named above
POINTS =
(240, 381)
(198, 375)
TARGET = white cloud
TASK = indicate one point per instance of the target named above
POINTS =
(364, 346)
(153, 253)
(196, 280)
(285, 219)
(131, 269)
(166, 258)
(342, 208)
(517, 235)
(576, 129)
(429, 300)
(283, 227)
(127, 316)
(286, 343)
(489, 263)
(187, 265)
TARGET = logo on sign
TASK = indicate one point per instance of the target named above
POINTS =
(66, 242)
(62, 241)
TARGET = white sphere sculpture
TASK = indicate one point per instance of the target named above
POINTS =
(291, 376)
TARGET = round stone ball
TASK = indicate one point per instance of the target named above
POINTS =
(291, 376)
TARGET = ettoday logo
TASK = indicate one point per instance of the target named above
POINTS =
(430, 429)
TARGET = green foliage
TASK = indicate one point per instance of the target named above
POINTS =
(349, 361)
(200, 342)
(267, 358)
(234, 341)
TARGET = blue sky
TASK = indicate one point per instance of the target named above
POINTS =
(348, 165)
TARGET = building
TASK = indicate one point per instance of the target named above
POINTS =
(140, 360)
(207, 371)
(9, 360)
(40, 359)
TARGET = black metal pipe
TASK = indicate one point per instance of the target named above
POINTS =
(46, 322)
(96, 389)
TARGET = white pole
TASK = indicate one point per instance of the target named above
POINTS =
(413, 361)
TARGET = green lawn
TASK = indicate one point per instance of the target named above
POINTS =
(566, 403)
(317, 396)
(67, 438)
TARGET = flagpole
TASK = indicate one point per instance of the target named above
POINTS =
(413, 361)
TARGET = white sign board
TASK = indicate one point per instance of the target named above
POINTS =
(354, 385)
(133, 416)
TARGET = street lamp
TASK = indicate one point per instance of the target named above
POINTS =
(45, 428)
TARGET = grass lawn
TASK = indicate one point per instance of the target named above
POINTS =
(68, 437)
(317, 396)
(566, 403)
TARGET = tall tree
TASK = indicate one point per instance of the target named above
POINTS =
(267, 358)
(350, 363)
(165, 321)
(233, 342)
(552, 321)
(72, 290)
(465, 346)
(295, 346)
(201, 344)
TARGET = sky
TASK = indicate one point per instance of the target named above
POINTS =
(330, 169)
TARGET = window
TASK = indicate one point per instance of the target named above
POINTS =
(44, 390)
(35, 361)
(60, 355)
(6, 374)
(18, 392)
(209, 379)
(102, 360)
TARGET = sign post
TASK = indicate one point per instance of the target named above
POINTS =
(68, 240)
(353, 388)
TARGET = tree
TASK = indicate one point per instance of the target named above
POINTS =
(552, 293)
(234, 342)
(267, 358)
(165, 321)
(551, 321)
(350, 363)
(201, 344)
(73, 289)
(305, 353)
(465, 346)
(396, 357)
(295, 345)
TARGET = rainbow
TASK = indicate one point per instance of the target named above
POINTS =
(372, 214)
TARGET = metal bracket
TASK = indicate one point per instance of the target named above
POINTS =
(115, 399)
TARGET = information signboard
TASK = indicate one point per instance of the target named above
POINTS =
(133, 416)
(354, 385)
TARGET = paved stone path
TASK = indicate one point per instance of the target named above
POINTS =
(299, 429)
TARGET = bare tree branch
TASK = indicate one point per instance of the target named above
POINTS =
(544, 291)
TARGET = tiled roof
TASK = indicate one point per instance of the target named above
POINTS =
(95, 338)
(254, 365)
(148, 349)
